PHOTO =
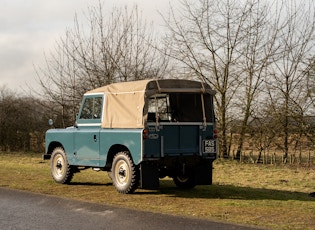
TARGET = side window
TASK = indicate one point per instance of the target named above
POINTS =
(159, 104)
(92, 108)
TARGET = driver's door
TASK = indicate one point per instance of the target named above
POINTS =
(87, 134)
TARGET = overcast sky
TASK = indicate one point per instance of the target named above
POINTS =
(28, 28)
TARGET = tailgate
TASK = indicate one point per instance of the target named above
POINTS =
(178, 139)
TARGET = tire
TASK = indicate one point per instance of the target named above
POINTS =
(61, 171)
(124, 173)
(184, 182)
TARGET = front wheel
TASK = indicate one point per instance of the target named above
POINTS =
(184, 182)
(61, 171)
(124, 173)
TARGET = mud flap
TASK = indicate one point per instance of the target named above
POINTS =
(203, 174)
(149, 176)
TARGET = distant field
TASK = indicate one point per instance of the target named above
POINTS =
(271, 196)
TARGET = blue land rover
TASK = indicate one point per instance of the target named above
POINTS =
(139, 132)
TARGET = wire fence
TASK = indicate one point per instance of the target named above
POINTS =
(303, 157)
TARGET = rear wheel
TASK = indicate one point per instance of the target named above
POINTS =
(184, 181)
(124, 173)
(61, 171)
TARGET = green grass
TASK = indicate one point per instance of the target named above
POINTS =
(271, 196)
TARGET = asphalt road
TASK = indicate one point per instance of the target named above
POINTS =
(25, 210)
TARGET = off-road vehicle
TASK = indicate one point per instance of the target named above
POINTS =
(139, 132)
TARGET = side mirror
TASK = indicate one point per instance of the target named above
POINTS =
(50, 122)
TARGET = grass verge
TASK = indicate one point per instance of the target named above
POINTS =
(270, 196)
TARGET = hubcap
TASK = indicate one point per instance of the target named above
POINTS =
(58, 169)
(182, 179)
(122, 172)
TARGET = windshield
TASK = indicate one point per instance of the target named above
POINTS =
(92, 108)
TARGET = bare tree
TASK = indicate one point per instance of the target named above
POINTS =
(117, 48)
(258, 49)
(287, 85)
(250, 52)
(221, 42)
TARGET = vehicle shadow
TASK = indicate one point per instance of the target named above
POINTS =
(91, 183)
(216, 191)
(231, 192)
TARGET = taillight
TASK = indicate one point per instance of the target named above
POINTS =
(145, 134)
(215, 134)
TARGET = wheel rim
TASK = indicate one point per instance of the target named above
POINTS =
(58, 166)
(182, 179)
(122, 173)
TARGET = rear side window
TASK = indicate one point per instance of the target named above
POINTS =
(159, 105)
(92, 108)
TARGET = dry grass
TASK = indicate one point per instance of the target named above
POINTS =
(275, 197)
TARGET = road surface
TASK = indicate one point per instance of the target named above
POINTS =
(25, 210)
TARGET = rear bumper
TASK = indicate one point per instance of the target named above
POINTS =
(198, 169)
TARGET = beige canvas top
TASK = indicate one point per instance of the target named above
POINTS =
(125, 105)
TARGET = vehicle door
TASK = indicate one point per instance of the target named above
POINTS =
(87, 134)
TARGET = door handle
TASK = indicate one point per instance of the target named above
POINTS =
(95, 139)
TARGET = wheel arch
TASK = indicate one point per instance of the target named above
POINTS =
(52, 146)
(114, 149)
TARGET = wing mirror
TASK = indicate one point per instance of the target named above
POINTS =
(51, 123)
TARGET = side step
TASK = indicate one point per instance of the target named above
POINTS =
(46, 156)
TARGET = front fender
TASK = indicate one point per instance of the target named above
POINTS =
(60, 137)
